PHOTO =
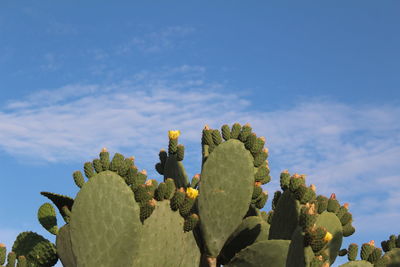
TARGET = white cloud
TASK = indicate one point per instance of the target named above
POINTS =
(350, 150)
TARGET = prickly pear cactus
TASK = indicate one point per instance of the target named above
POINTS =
(120, 217)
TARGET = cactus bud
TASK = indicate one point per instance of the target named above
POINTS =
(313, 187)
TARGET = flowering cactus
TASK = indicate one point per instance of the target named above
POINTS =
(119, 217)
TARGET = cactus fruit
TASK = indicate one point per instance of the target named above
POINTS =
(226, 132)
(352, 252)
(190, 222)
(235, 130)
(119, 217)
(178, 199)
(78, 178)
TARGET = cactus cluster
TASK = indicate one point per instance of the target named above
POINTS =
(120, 217)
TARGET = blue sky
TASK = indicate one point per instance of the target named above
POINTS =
(320, 80)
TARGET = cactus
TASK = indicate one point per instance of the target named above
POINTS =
(170, 165)
(119, 217)
(47, 218)
(226, 180)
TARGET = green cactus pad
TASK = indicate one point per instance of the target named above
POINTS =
(357, 264)
(298, 254)
(392, 258)
(104, 219)
(38, 250)
(253, 229)
(174, 169)
(332, 224)
(163, 242)
(286, 217)
(47, 218)
(106, 205)
(270, 253)
(60, 201)
(226, 181)
(64, 247)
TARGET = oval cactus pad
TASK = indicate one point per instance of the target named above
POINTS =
(104, 222)
(227, 180)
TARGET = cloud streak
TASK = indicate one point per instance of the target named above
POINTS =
(157, 41)
(350, 150)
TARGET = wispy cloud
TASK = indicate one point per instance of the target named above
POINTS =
(157, 41)
(51, 62)
(350, 150)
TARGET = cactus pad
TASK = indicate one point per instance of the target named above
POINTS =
(227, 180)
(270, 253)
(104, 219)
(252, 229)
(37, 250)
(64, 247)
(286, 217)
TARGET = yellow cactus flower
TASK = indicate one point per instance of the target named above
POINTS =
(104, 149)
(328, 237)
(173, 134)
(192, 193)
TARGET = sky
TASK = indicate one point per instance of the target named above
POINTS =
(320, 80)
